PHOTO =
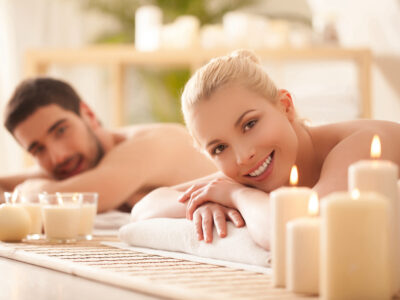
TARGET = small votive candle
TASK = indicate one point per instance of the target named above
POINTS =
(88, 213)
(302, 251)
(33, 207)
(287, 203)
(61, 216)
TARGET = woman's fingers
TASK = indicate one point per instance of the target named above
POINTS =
(220, 221)
(235, 217)
(198, 223)
(207, 225)
(197, 199)
(186, 195)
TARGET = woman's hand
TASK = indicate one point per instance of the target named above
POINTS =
(219, 191)
(210, 214)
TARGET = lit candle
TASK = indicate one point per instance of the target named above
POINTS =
(61, 216)
(32, 206)
(88, 213)
(355, 246)
(381, 176)
(287, 203)
(302, 251)
(14, 221)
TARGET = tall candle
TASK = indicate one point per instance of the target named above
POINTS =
(302, 252)
(287, 203)
(355, 247)
(381, 176)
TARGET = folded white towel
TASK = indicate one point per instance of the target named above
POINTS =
(111, 220)
(179, 235)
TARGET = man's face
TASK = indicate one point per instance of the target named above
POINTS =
(62, 142)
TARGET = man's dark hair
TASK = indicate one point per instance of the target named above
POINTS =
(32, 94)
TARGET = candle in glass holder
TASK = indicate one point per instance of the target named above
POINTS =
(355, 262)
(88, 213)
(302, 251)
(14, 221)
(381, 176)
(287, 203)
(33, 207)
(61, 216)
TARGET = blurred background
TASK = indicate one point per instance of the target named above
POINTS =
(324, 90)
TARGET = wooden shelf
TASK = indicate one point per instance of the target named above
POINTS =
(117, 58)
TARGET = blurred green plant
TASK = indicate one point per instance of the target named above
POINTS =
(164, 87)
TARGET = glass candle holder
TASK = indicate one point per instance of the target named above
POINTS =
(33, 207)
(61, 216)
(88, 213)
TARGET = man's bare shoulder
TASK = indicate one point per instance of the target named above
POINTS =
(138, 131)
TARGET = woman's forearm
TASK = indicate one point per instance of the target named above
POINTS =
(160, 203)
(254, 207)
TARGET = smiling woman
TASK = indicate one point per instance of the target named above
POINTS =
(251, 131)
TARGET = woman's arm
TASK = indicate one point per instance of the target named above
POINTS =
(251, 203)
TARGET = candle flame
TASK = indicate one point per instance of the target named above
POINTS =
(355, 194)
(313, 205)
(14, 196)
(59, 198)
(375, 147)
(294, 176)
(76, 197)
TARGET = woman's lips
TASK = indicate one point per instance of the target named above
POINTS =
(264, 169)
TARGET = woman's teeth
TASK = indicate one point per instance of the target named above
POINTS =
(262, 168)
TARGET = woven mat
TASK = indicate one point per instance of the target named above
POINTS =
(157, 275)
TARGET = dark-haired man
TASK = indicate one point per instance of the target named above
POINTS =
(75, 153)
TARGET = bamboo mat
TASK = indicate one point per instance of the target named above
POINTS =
(166, 277)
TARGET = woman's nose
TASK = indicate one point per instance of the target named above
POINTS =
(244, 155)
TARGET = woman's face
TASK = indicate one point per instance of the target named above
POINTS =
(250, 138)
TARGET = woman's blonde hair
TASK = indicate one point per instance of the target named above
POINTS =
(241, 66)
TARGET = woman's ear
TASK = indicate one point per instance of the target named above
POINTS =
(285, 103)
(88, 115)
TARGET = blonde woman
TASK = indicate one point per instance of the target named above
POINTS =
(250, 129)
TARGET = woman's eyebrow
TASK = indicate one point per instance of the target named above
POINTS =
(239, 120)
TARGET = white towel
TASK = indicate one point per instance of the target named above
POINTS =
(179, 235)
(111, 220)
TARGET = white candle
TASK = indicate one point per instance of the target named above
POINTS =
(61, 223)
(14, 223)
(287, 203)
(302, 252)
(61, 216)
(355, 246)
(148, 24)
(381, 176)
(35, 212)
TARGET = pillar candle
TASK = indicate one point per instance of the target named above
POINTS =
(381, 176)
(355, 247)
(302, 252)
(287, 203)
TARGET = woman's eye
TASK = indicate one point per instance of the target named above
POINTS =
(218, 150)
(249, 125)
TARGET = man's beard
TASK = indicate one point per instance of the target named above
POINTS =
(98, 156)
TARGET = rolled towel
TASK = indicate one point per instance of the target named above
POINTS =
(179, 235)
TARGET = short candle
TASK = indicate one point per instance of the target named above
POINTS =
(302, 251)
(287, 203)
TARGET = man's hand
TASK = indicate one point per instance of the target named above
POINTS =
(32, 187)
(210, 214)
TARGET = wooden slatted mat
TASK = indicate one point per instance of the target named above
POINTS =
(166, 277)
